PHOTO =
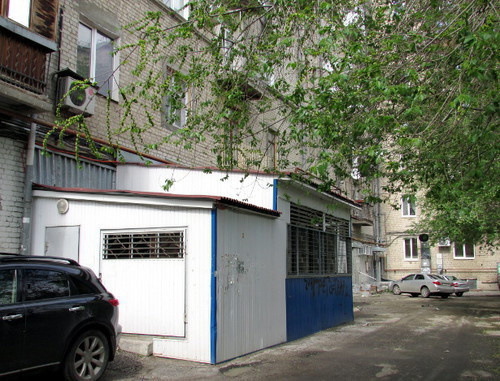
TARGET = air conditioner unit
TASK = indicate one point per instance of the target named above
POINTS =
(444, 243)
(77, 101)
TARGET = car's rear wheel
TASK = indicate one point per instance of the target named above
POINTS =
(88, 357)
(396, 290)
(425, 292)
(459, 293)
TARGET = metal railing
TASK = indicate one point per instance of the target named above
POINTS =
(364, 216)
(23, 63)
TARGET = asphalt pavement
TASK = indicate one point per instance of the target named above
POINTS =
(391, 338)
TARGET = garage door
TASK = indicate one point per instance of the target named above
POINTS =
(145, 270)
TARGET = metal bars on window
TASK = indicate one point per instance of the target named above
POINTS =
(318, 243)
(144, 245)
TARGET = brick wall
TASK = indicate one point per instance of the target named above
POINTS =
(121, 13)
(11, 194)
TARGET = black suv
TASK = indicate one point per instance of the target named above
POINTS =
(55, 313)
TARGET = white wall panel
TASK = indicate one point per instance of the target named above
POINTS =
(251, 266)
(255, 189)
(94, 217)
(291, 192)
(151, 294)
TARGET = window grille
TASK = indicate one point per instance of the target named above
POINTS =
(144, 245)
(318, 243)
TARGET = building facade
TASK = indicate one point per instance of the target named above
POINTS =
(407, 253)
(264, 254)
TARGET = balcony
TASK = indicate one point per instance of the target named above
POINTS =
(23, 63)
(363, 217)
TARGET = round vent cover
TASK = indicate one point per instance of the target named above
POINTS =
(62, 206)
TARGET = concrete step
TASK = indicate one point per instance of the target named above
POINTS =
(140, 344)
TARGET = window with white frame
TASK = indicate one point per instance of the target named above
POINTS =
(19, 11)
(95, 59)
(176, 100)
(271, 151)
(408, 206)
(180, 6)
(39, 16)
(463, 251)
(411, 248)
(144, 245)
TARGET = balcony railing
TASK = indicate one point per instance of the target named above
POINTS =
(363, 216)
(23, 63)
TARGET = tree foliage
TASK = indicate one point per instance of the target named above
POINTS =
(401, 90)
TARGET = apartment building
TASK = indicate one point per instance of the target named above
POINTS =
(408, 253)
(266, 248)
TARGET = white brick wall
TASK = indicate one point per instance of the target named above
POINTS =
(11, 194)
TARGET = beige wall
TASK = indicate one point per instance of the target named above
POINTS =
(482, 267)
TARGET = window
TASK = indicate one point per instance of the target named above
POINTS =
(180, 6)
(95, 59)
(45, 284)
(81, 287)
(271, 149)
(231, 139)
(411, 250)
(408, 206)
(176, 100)
(8, 287)
(229, 155)
(39, 16)
(144, 245)
(19, 11)
(318, 243)
(463, 251)
(409, 277)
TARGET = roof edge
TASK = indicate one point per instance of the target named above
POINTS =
(217, 200)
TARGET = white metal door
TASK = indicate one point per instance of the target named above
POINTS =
(62, 241)
(151, 292)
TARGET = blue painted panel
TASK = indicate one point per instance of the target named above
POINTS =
(314, 304)
(275, 194)
(213, 285)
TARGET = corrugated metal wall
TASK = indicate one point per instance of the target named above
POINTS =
(63, 171)
(152, 279)
(254, 189)
(250, 283)
(314, 304)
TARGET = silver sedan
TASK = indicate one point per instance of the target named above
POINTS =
(423, 284)
(459, 285)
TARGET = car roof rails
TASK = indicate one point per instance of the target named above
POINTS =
(17, 257)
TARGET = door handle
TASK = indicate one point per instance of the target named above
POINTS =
(74, 309)
(12, 317)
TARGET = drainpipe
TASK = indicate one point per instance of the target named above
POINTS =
(28, 193)
(378, 228)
